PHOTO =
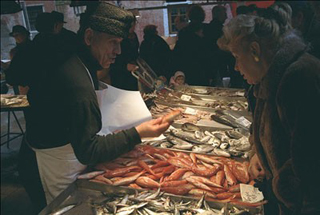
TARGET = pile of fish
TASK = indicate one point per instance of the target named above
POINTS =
(220, 143)
(237, 105)
(159, 110)
(218, 178)
(147, 203)
(214, 91)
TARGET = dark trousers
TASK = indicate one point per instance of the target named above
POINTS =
(30, 178)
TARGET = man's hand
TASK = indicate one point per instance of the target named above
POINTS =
(152, 128)
(132, 67)
(255, 169)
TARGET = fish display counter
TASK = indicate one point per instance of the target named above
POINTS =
(85, 197)
(209, 102)
(205, 118)
(178, 173)
(226, 143)
(210, 91)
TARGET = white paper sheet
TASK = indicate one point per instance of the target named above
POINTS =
(250, 193)
(121, 109)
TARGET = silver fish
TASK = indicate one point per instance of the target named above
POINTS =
(190, 127)
(185, 136)
(63, 210)
(202, 148)
(243, 147)
(90, 175)
(208, 133)
(216, 143)
(234, 142)
(224, 145)
(234, 134)
(220, 152)
(150, 212)
(130, 209)
(165, 145)
(205, 139)
(183, 145)
(198, 134)
(154, 195)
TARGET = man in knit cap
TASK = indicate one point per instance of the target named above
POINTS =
(63, 129)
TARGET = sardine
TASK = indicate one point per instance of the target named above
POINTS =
(224, 145)
(165, 145)
(63, 210)
(198, 134)
(130, 209)
(234, 134)
(90, 175)
(183, 145)
(220, 152)
(202, 148)
(205, 139)
(190, 127)
(185, 136)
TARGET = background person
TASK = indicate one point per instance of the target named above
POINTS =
(178, 79)
(156, 52)
(120, 71)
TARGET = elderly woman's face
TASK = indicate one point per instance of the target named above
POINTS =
(245, 64)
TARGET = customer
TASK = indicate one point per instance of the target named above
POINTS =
(64, 121)
(67, 41)
(156, 52)
(191, 52)
(23, 42)
(287, 81)
(120, 71)
(178, 79)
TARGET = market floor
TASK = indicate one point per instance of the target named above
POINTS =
(14, 199)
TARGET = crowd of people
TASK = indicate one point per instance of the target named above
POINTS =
(278, 60)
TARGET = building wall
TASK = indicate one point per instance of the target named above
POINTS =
(156, 17)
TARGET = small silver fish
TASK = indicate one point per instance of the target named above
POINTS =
(234, 134)
(165, 145)
(221, 152)
(183, 145)
(90, 175)
(202, 148)
(63, 210)
(224, 145)
(190, 127)
(198, 134)
(205, 139)
(130, 209)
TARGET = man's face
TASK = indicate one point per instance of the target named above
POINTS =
(104, 47)
(19, 37)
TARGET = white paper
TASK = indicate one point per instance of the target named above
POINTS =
(190, 111)
(121, 109)
(250, 193)
(243, 121)
(185, 98)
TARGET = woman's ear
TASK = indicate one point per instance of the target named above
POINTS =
(255, 51)
(88, 35)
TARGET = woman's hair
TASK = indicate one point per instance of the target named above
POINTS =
(267, 28)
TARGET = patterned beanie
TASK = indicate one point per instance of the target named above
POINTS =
(110, 19)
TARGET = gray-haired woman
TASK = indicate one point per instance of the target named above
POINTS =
(287, 86)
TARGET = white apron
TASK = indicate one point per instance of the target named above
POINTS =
(58, 167)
